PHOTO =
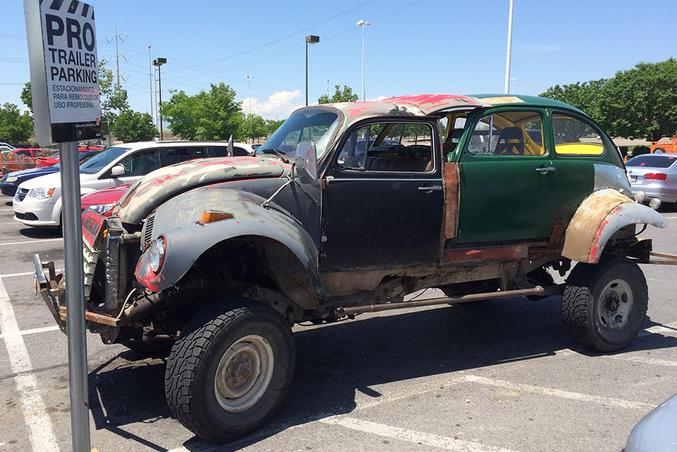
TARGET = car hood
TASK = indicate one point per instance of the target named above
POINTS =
(48, 181)
(165, 183)
(33, 172)
(106, 196)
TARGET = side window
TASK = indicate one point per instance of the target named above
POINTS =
(24, 153)
(141, 163)
(508, 134)
(389, 147)
(171, 156)
(217, 151)
(239, 152)
(575, 137)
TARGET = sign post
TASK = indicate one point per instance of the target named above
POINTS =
(67, 109)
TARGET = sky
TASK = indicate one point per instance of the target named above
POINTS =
(411, 46)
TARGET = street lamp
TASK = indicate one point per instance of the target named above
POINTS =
(363, 23)
(249, 87)
(310, 39)
(158, 62)
(508, 51)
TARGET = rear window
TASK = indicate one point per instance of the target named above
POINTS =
(652, 161)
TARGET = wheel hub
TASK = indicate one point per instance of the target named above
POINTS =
(616, 301)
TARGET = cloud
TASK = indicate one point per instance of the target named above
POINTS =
(541, 48)
(277, 106)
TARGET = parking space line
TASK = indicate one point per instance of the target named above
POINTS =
(541, 390)
(410, 436)
(30, 241)
(645, 360)
(41, 431)
(43, 329)
(11, 275)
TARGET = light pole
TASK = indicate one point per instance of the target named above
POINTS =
(249, 87)
(363, 23)
(158, 62)
(508, 50)
(310, 39)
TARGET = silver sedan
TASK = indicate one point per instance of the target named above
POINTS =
(655, 175)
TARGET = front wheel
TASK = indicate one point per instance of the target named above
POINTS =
(604, 305)
(229, 370)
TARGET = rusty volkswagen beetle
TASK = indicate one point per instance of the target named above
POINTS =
(344, 210)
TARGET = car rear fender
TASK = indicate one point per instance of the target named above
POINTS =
(598, 218)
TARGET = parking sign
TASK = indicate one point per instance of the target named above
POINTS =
(64, 70)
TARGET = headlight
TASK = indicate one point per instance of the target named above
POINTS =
(11, 179)
(156, 254)
(101, 208)
(41, 193)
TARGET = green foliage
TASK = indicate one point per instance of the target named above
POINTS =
(27, 96)
(133, 126)
(208, 115)
(637, 103)
(15, 127)
(344, 94)
(253, 126)
(272, 125)
(113, 99)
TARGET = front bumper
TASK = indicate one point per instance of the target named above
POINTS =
(8, 189)
(657, 190)
(36, 212)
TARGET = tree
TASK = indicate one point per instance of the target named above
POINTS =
(272, 125)
(584, 96)
(133, 126)
(208, 115)
(27, 96)
(113, 98)
(344, 94)
(253, 126)
(15, 127)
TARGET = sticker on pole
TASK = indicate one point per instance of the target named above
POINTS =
(64, 70)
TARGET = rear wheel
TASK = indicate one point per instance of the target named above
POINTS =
(230, 369)
(659, 151)
(604, 305)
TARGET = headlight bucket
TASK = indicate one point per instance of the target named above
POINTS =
(11, 179)
(41, 193)
(156, 254)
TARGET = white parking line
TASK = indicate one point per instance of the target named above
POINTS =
(43, 329)
(29, 241)
(540, 390)
(645, 360)
(11, 275)
(41, 432)
(410, 436)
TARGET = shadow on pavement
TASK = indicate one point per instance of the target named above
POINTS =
(41, 233)
(335, 361)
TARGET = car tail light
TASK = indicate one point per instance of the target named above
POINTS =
(656, 176)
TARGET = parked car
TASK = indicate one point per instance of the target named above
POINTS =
(22, 158)
(10, 182)
(655, 175)
(104, 200)
(656, 431)
(345, 209)
(38, 201)
(664, 145)
(53, 159)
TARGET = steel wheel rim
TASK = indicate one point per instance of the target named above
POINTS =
(244, 373)
(615, 304)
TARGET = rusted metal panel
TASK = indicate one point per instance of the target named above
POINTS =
(93, 317)
(451, 199)
(598, 217)
(500, 253)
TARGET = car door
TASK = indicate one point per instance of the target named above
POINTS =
(383, 199)
(507, 179)
(136, 165)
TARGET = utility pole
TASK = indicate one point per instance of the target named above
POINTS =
(310, 39)
(150, 75)
(117, 37)
(249, 87)
(363, 24)
(158, 62)
(508, 50)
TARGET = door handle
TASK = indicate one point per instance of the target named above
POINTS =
(430, 188)
(545, 169)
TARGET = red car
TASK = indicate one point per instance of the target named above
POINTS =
(103, 201)
(52, 160)
(21, 158)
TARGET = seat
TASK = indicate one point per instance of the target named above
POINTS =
(510, 142)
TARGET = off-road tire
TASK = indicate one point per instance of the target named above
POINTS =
(581, 303)
(195, 357)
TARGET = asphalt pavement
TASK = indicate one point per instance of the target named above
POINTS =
(499, 375)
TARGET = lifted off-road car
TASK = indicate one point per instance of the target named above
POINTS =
(344, 210)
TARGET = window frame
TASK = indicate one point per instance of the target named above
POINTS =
(476, 117)
(606, 141)
(107, 173)
(429, 121)
(167, 148)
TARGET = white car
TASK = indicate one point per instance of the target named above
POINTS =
(37, 201)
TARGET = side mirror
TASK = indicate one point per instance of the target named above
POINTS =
(117, 171)
(306, 159)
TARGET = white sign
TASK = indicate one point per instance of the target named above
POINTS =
(64, 70)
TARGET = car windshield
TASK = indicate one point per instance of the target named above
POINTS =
(652, 161)
(307, 124)
(99, 162)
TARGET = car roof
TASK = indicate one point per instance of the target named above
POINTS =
(160, 144)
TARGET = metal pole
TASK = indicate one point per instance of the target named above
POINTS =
(249, 88)
(150, 74)
(306, 73)
(364, 96)
(508, 50)
(117, 60)
(75, 303)
(159, 75)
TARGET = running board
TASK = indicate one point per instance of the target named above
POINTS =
(350, 311)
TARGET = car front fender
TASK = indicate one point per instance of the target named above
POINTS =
(186, 238)
(598, 218)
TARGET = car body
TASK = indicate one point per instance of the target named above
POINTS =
(345, 209)
(664, 145)
(22, 158)
(54, 158)
(656, 431)
(655, 175)
(37, 202)
(104, 200)
(10, 182)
